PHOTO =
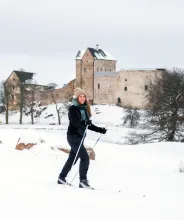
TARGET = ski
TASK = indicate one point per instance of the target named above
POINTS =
(93, 189)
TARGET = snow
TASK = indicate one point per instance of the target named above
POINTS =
(80, 55)
(143, 69)
(102, 114)
(132, 182)
(108, 56)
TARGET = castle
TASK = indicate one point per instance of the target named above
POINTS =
(96, 74)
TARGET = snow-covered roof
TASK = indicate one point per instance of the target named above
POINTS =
(98, 54)
(80, 54)
(142, 69)
(105, 73)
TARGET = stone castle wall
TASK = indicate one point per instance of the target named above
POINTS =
(132, 86)
(125, 88)
(104, 88)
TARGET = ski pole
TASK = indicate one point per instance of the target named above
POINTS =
(77, 153)
(88, 154)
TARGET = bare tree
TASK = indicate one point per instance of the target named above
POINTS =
(7, 98)
(30, 93)
(2, 99)
(131, 117)
(31, 104)
(21, 100)
(62, 110)
(22, 97)
(165, 118)
(2, 104)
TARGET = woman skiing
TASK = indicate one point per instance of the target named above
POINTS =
(79, 114)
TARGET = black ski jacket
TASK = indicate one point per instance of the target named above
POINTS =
(76, 124)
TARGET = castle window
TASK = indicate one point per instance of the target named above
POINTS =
(125, 79)
(97, 69)
(105, 69)
(98, 85)
(146, 87)
(13, 87)
(125, 89)
(13, 79)
(85, 69)
(101, 69)
(12, 97)
(119, 100)
(110, 70)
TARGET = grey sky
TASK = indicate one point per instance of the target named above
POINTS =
(44, 36)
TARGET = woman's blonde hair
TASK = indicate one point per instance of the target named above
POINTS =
(88, 108)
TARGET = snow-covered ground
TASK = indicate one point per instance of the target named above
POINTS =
(102, 115)
(131, 182)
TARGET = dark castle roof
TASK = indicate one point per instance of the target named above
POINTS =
(23, 76)
(98, 54)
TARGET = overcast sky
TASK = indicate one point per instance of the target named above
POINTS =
(44, 36)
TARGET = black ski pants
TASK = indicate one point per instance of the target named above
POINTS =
(74, 142)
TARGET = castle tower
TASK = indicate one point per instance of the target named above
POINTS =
(90, 62)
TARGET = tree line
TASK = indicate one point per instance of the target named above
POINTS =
(26, 100)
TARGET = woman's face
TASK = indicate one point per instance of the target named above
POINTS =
(81, 99)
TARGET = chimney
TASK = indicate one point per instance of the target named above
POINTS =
(97, 46)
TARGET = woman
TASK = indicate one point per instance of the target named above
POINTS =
(79, 114)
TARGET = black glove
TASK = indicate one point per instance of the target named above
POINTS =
(88, 122)
(103, 130)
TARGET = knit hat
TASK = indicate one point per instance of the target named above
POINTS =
(78, 91)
